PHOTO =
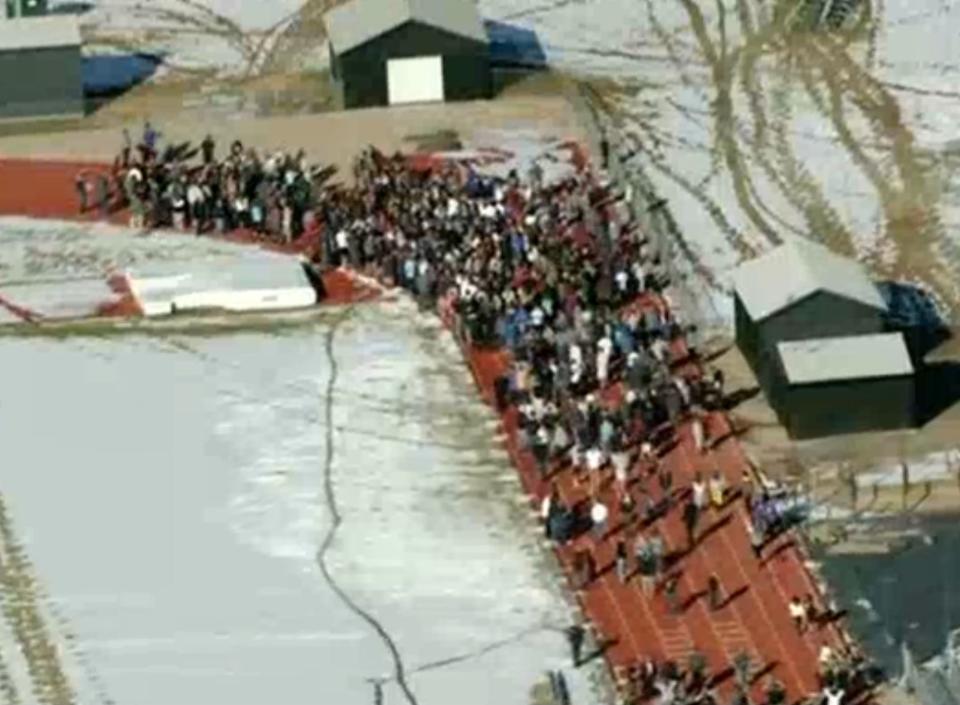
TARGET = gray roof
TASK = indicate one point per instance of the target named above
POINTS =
(39, 32)
(849, 358)
(796, 269)
(358, 21)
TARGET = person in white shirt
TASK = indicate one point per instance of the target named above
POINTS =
(604, 349)
(699, 489)
(833, 696)
(537, 317)
(798, 614)
(598, 517)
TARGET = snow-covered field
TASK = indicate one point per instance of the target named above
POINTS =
(753, 130)
(169, 494)
(231, 36)
(60, 270)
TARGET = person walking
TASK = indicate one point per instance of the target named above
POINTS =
(102, 194)
(671, 591)
(690, 517)
(756, 539)
(598, 517)
(80, 184)
(747, 489)
(812, 614)
(207, 148)
(697, 431)
(775, 691)
(665, 480)
(798, 614)
(576, 635)
(717, 489)
(741, 669)
(698, 489)
(645, 564)
(658, 551)
(833, 695)
(622, 564)
(714, 593)
(548, 507)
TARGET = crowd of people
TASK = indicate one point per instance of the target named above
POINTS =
(603, 378)
(166, 185)
(604, 375)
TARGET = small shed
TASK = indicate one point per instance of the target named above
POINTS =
(853, 384)
(40, 67)
(799, 290)
(395, 52)
(26, 8)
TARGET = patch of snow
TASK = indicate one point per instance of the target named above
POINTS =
(500, 151)
(195, 34)
(34, 250)
(175, 520)
(68, 298)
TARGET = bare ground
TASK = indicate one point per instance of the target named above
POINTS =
(334, 137)
(822, 465)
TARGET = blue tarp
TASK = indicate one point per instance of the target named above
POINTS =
(114, 73)
(514, 46)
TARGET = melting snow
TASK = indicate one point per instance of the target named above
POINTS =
(170, 495)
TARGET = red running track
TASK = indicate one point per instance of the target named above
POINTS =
(45, 189)
(755, 620)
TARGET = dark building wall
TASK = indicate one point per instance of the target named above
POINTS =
(820, 315)
(747, 333)
(41, 82)
(848, 406)
(363, 70)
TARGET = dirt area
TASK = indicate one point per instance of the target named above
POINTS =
(336, 137)
(824, 466)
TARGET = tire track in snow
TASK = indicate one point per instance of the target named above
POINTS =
(399, 670)
(20, 605)
(8, 689)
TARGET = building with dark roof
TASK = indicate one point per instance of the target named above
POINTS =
(40, 67)
(854, 384)
(395, 52)
(797, 291)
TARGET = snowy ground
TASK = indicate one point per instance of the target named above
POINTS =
(754, 131)
(33, 250)
(59, 270)
(169, 492)
(228, 36)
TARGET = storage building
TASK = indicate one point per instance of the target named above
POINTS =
(394, 52)
(801, 290)
(40, 67)
(26, 8)
(853, 384)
